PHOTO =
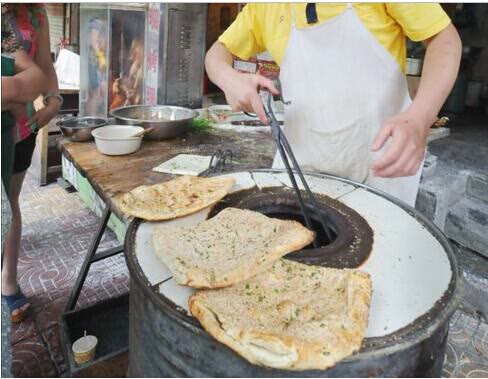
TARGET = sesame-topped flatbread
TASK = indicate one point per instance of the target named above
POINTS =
(175, 198)
(231, 247)
(292, 316)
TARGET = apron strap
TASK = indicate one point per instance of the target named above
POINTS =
(311, 12)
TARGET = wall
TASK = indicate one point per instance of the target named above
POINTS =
(472, 24)
(220, 16)
(55, 15)
(479, 37)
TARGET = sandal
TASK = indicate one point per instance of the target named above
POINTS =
(16, 302)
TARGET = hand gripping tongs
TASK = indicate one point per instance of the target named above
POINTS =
(285, 151)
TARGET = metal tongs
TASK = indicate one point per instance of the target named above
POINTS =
(218, 161)
(285, 151)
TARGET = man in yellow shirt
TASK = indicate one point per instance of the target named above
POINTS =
(342, 69)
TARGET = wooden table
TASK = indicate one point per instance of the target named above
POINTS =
(114, 175)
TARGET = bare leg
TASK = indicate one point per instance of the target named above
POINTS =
(12, 242)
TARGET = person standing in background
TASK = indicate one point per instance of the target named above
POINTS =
(30, 27)
(22, 81)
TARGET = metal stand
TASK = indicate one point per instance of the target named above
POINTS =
(91, 257)
(107, 319)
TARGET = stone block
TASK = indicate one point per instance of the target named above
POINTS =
(430, 165)
(474, 268)
(477, 187)
(439, 192)
(426, 203)
(467, 224)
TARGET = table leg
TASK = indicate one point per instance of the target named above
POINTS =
(91, 257)
(41, 151)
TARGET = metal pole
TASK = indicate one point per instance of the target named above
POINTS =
(75, 293)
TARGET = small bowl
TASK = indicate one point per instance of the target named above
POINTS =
(221, 114)
(78, 129)
(117, 139)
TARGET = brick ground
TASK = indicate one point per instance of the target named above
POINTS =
(57, 232)
(467, 347)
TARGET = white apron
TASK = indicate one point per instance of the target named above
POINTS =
(342, 84)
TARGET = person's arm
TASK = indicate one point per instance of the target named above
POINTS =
(440, 69)
(44, 61)
(241, 90)
(409, 130)
(26, 85)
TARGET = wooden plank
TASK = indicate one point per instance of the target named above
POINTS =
(42, 142)
(113, 175)
(39, 159)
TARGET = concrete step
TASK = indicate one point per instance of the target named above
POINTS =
(467, 224)
(457, 202)
(477, 187)
(439, 191)
(474, 269)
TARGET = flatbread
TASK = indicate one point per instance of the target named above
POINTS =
(175, 198)
(292, 316)
(231, 247)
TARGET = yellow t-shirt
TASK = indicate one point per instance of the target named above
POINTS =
(266, 26)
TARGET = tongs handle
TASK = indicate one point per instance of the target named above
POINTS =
(285, 151)
(277, 134)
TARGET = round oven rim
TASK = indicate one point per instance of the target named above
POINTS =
(417, 336)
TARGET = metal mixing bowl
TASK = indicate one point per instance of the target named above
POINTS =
(167, 121)
(78, 129)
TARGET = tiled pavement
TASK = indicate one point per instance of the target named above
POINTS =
(57, 232)
(467, 347)
(57, 229)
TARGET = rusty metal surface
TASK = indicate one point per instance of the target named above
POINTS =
(162, 346)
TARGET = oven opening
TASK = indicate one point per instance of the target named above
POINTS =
(351, 238)
(293, 212)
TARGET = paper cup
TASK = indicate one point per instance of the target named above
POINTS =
(84, 349)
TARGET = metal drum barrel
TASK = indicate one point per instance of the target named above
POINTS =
(416, 286)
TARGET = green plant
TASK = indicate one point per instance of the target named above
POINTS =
(201, 124)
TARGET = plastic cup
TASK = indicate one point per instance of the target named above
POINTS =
(84, 349)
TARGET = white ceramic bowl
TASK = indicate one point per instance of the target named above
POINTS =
(117, 139)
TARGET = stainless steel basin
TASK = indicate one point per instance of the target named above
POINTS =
(166, 121)
(78, 129)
